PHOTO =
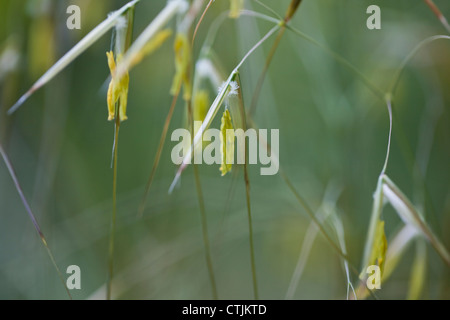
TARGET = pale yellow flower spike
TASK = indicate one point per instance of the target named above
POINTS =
(110, 99)
(182, 61)
(151, 46)
(201, 105)
(226, 143)
(378, 256)
(117, 91)
(236, 7)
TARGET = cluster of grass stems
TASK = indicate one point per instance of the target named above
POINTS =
(326, 219)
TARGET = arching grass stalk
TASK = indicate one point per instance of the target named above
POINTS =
(326, 211)
(401, 136)
(200, 21)
(92, 37)
(438, 14)
(349, 266)
(376, 91)
(293, 7)
(401, 68)
(12, 173)
(215, 108)
(313, 217)
(386, 189)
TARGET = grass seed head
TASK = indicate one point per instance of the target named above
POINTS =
(117, 91)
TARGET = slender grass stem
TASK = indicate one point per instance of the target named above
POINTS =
(261, 16)
(200, 21)
(262, 77)
(113, 215)
(438, 14)
(416, 219)
(398, 73)
(215, 108)
(162, 141)
(375, 90)
(249, 208)
(389, 106)
(73, 53)
(250, 232)
(401, 136)
(314, 218)
(203, 217)
(206, 244)
(13, 175)
(268, 9)
(257, 45)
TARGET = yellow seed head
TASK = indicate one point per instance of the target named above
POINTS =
(235, 8)
(117, 90)
(182, 62)
(226, 143)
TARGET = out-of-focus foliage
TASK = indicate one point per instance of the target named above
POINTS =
(331, 128)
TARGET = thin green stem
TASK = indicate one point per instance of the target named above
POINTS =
(200, 21)
(389, 106)
(203, 216)
(438, 14)
(206, 244)
(313, 217)
(247, 197)
(250, 232)
(398, 73)
(257, 45)
(418, 221)
(13, 175)
(375, 90)
(114, 210)
(162, 141)
(265, 6)
(262, 77)
(259, 15)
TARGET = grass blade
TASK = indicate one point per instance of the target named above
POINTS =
(203, 217)
(171, 9)
(322, 214)
(200, 21)
(205, 235)
(113, 214)
(410, 215)
(398, 73)
(418, 271)
(397, 247)
(12, 173)
(375, 90)
(240, 102)
(438, 14)
(158, 154)
(73, 53)
(375, 217)
(218, 101)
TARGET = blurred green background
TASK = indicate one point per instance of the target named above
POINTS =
(333, 130)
